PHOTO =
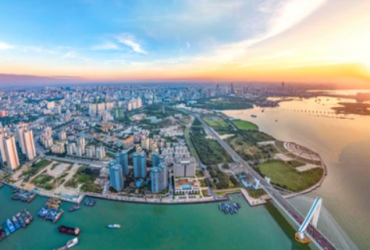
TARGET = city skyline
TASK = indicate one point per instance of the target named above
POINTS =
(176, 41)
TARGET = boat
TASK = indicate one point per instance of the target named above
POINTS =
(72, 243)
(114, 226)
(16, 223)
(69, 230)
(10, 225)
(74, 208)
(1, 185)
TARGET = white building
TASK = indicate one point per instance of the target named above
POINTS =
(29, 144)
(80, 151)
(50, 105)
(3, 133)
(90, 151)
(184, 167)
(62, 135)
(100, 152)
(145, 142)
(71, 149)
(19, 130)
(11, 154)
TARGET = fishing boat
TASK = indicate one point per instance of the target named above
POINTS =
(69, 230)
(72, 243)
(74, 208)
(114, 226)
(10, 225)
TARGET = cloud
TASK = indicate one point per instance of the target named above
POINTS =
(187, 45)
(5, 46)
(106, 46)
(69, 54)
(129, 40)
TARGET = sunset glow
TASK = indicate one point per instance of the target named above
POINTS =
(318, 41)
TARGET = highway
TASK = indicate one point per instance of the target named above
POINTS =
(316, 236)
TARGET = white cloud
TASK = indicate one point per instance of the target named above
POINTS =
(129, 40)
(187, 45)
(69, 54)
(5, 46)
(106, 46)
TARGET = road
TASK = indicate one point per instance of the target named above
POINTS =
(316, 236)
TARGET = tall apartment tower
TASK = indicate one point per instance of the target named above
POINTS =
(19, 130)
(159, 178)
(122, 159)
(139, 160)
(3, 133)
(12, 159)
(115, 175)
(156, 160)
(29, 144)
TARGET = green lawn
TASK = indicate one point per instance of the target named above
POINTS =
(244, 125)
(296, 164)
(214, 121)
(286, 177)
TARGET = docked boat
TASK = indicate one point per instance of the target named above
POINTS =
(15, 222)
(114, 226)
(10, 225)
(69, 230)
(74, 208)
(1, 185)
(72, 243)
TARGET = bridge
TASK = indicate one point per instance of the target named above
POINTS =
(306, 228)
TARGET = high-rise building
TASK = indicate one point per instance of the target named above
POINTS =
(3, 133)
(90, 151)
(232, 88)
(92, 109)
(80, 151)
(118, 112)
(159, 178)
(62, 135)
(19, 130)
(145, 142)
(50, 105)
(29, 144)
(100, 152)
(156, 160)
(128, 142)
(81, 141)
(139, 160)
(183, 167)
(122, 159)
(11, 154)
(115, 175)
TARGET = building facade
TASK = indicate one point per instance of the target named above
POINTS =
(159, 178)
(139, 160)
(115, 175)
(122, 159)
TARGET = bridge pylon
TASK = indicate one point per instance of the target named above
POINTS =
(312, 216)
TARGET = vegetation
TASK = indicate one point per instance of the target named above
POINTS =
(54, 166)
(256, 193)
(286, 177)
(296, 164)
(247, 147)
(222, 178)
(44, 181)
(203, 183)
(35, 169)
(218, 123)
(110, 155)
(199, 173)
(205, 193)
(222, 193)
(86, 180)
(223, 103)
(244, 125)
(208, 150)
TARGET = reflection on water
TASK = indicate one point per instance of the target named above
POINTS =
(344, 145)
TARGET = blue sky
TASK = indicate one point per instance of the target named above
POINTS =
(126, 39)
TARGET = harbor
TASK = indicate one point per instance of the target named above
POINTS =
(20, 220)
(161, 225)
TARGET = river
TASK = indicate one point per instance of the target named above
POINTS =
(344, 145)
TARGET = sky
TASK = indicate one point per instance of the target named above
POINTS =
(300, 41)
